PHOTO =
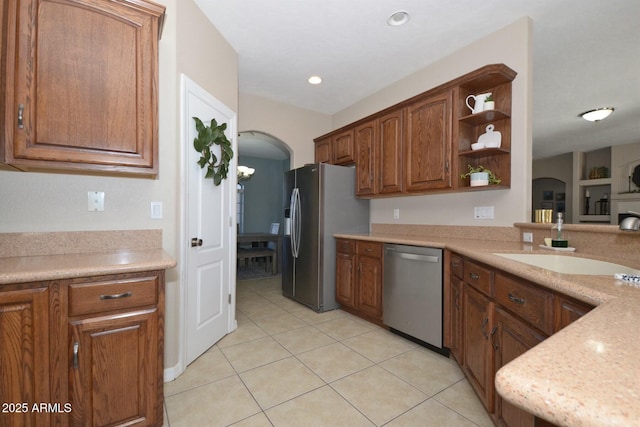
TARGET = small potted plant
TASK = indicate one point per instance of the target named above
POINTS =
(479, 176)
(489, 103)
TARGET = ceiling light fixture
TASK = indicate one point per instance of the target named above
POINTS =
(315, 80)
(597, 114)
(398, 18)
(245, 172)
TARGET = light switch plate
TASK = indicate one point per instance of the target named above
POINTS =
(156, 210)
(95, 201)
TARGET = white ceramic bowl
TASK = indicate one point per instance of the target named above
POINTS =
(477, 146)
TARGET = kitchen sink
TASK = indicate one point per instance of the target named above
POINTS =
(570, 264)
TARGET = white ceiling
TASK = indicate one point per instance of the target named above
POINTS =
(586, 55)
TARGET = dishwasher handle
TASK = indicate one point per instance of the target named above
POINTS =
(414, 257)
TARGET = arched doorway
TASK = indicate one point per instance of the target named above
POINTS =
(261, 199)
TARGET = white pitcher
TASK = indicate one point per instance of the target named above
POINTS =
(478, 102)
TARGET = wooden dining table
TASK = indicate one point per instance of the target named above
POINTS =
(261, 238)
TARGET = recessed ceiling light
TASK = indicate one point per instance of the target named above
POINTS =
(398, 18)
(315, 80)
(597, 114)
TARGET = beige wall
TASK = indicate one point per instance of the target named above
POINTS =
(294, 126)
(511, 46)
(204, 56)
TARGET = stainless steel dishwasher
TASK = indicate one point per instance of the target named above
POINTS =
(412, 299)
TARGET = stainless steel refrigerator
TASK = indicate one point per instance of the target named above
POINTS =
(321, 203)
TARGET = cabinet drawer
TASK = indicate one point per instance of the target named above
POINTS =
(456, 266)
(531, 303)
(372, 249)
(97, 297)
(479, 277)
(345, 246)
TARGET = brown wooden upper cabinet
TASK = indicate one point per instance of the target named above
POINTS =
(81, 85)
(324, 152)
(390, 152)
(366, 136)
(428, 144)
(423, 144)
(342, 145)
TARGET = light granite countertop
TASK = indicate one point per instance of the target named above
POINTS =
(33, 257)
(587, 374)
(22, 269)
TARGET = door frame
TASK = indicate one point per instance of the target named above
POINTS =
(188, 86)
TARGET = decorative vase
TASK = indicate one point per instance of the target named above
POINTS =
(479, 179)
(489, 105)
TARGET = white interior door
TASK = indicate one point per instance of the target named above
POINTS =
(209, 242)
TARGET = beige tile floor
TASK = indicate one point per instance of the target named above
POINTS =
(286, 365)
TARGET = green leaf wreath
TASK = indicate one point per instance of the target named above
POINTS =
(207, 137)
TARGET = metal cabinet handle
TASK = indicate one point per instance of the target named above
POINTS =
(484, 323)
(515, 299)
(196, 242)
(21, 116)
(116, 296)
(493, 331)
(76, 348)
(455, 264)
(474, 276)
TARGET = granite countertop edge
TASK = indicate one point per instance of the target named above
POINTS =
(24, 269)
(582, 374)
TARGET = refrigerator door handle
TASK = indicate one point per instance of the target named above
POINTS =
(298, 221)
(292, 211)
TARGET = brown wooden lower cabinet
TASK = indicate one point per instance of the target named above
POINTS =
(359, 278)
(478, 354)
(91, 348)
(510, 339)
(456, 319)
(502, 316)
(24, 355)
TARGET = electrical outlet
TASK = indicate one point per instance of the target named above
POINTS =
(396, 214)
(527, 237)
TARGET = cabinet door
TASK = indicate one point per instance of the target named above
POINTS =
(428, 144)
(366, 159)
(478, 354)
(369, 286)
(455, 311)
(345, 279)
(82, 85)
(343, 148)
(115, 370)
(323, 151)
(569, 310)
(389, 152)
(510, 338)
(24, 355)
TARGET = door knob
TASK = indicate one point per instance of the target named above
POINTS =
(196, 242)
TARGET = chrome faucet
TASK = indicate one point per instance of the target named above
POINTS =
(631, 223)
